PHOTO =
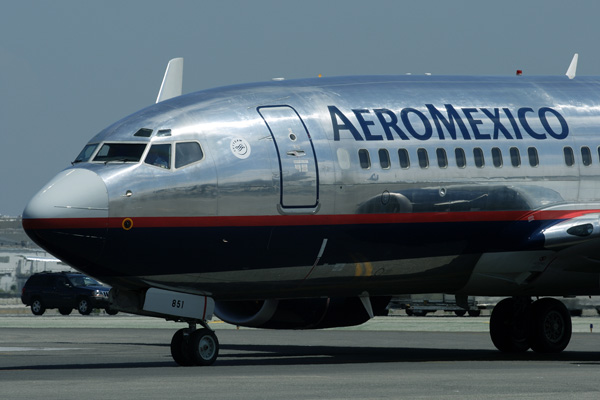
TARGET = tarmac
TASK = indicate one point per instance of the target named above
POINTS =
(438, 356)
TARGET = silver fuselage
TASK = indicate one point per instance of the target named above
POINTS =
(294, 195)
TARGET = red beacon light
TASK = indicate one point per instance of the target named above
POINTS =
(519, 72)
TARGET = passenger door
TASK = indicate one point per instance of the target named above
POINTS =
(298, 171)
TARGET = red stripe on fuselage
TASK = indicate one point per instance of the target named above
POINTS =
(66, 223)
(302, 220)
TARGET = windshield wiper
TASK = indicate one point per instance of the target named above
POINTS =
(124, 160)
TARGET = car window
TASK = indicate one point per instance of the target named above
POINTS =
(61, 281)
(81, 280)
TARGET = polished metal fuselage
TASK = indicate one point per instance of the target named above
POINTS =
(299, 216)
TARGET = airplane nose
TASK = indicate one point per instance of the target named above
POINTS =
(73, 193)
(68, 217)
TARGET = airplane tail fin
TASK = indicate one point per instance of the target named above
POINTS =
(172, 81)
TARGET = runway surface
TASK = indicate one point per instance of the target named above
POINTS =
(54, 357)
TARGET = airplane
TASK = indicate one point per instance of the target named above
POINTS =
(309, 203)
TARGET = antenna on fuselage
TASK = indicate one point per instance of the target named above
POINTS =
(573, 67)
(172, 81)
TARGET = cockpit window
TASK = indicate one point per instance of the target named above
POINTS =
(187, 153)
(126, 152)
(143, 132)
(159, 155)
(86, 153)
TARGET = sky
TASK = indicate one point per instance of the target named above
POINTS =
(70, 68)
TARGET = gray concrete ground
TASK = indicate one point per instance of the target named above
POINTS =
(74, 357)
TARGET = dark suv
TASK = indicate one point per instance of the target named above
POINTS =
(65, 291)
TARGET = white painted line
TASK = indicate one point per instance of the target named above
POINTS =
(13, 349)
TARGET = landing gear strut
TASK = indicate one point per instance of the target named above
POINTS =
(517, 324)
(191, 346)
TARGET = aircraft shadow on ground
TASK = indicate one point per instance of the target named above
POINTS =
(290, 355)
(300, 355)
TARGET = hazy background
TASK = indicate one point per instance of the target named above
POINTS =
(70, 68)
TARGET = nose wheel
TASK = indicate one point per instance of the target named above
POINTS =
(204, 347)
(191, 346)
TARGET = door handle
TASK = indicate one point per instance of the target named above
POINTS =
(296, 153)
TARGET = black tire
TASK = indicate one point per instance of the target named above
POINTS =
(508, 334)
(576, 313)
(460, 313)
(180, 349)
(37, 307)
(474, 313)
(409, 312)
(550, 329)
(204, 347)
(420, 313)
(84, 307)
(65, 310)
(110, 311)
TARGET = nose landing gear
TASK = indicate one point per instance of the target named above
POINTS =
(191, 346)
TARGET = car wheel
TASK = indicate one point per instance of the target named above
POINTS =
(65, 310)
(110, 311)
(37, 307)
(84, 307)
(474, 313)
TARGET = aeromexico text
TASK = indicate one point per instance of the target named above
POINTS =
(449, 124)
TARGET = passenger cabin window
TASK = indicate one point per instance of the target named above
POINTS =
(497, 157)
(515, 157)
(159, 155)
(532, 153)
(478, 156)
(586, 156)
(384, 159)
(86, 153)
(569, 156)
(405, 161)
(365, 160)
(461, 159)
(187, 153)
(442, 159)
(125, 152)
(423, 158)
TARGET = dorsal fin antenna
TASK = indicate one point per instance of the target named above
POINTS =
(571, 72)
(172, 81)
